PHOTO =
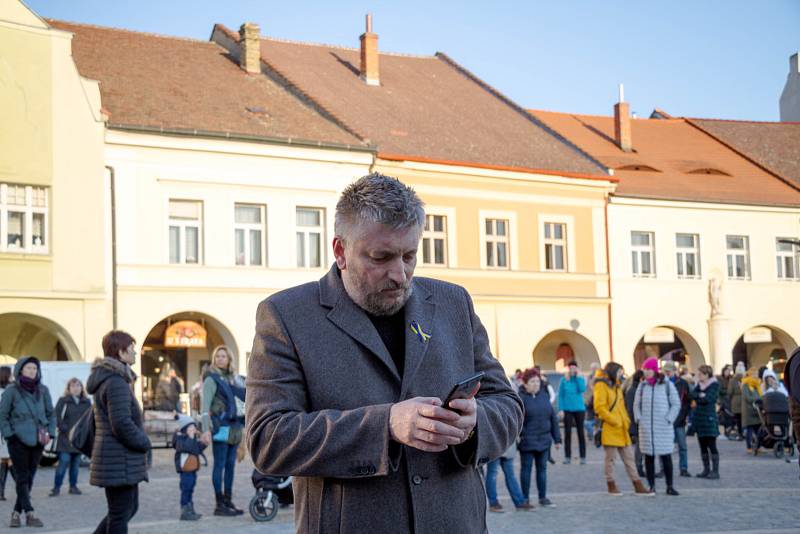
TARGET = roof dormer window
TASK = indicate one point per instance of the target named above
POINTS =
(708, 170)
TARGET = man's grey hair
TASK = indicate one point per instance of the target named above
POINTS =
(378, 198)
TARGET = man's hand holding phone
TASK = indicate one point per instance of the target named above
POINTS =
(424, 424)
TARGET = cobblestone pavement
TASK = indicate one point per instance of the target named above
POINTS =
(759, 494)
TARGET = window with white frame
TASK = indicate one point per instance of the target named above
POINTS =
(434, 240)
(248, 233)
(24, 219)
(787, 259)
(310, 228)
(497, 241)
(185, 231)
(643, 254)
(688, 255)
(738, 253)
(555, 246)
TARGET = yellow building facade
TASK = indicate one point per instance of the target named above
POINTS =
(54, 267)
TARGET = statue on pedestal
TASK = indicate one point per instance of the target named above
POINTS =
(715, 296)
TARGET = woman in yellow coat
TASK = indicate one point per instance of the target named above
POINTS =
(609, 407)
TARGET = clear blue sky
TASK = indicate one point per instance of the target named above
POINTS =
(723, 59)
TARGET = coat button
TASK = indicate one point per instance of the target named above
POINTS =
(416, 479)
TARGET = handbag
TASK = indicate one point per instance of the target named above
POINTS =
(42, 436)
(598, 433)
(81, 435)
(189, 463)
(222, 434)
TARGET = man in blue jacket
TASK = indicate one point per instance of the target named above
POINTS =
(570, 401)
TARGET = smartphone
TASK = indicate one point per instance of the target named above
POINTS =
(465, 389)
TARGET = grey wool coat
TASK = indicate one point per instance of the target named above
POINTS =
(655, 409)
(319, 390)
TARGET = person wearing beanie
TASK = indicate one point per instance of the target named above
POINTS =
(188, 450)
(682, 387)
(735, 397)
(705, 422)
(751, 392)
(570, 401)
(655, 407)
(609, 407)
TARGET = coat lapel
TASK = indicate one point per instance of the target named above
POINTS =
(419, 313)
(353, 320)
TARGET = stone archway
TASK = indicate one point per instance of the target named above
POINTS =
(23, 334)
(557, 348)
(181, 351)
(669, 342)
(763, 345)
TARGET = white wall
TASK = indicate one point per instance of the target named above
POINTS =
(151, 169)
(639, 304)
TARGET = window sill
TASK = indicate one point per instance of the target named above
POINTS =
(27, 256)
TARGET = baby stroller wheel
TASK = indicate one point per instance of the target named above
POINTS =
(779, 451)
(264, 506)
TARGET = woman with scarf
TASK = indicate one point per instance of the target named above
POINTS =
(655, 408)
(751, 392)
(69, 409)
(609, 407)
(223, 426)
(705, 394)
(27, 424)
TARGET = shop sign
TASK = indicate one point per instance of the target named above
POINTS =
(185, 334)
(660, 334)
(759, 334)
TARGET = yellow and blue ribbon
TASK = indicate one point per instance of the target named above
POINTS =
(421, 334)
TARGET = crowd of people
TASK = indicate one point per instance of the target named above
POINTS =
(120, 451)
(640, 419)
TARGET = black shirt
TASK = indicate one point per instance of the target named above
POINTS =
(391, 328)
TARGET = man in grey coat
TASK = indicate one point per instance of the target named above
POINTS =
(348, 375)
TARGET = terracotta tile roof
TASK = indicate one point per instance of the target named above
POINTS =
(425, 107)
(674, 159)
(773, 145)
(155, 81)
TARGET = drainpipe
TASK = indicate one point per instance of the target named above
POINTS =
(113, 247)
(608, 271)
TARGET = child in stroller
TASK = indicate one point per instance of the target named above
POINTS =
(773, 412)
(271, 493)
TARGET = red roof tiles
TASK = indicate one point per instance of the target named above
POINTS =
(157, 82)
(675, 161)
(425, 107)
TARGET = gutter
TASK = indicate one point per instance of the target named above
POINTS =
(192, 132)
(608, 272)
(423, 159)
(113, 247)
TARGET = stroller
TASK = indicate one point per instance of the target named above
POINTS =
(271, 492)
(728, 421)
(774, 432)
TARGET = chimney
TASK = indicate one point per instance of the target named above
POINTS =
(369, 55)
(250, 47)
(622, 122)
(790, 98)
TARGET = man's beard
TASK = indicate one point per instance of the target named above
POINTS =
(374, 302)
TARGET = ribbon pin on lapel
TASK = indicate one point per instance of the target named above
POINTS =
(421, 334)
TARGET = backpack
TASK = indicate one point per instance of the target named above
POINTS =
(81, 435)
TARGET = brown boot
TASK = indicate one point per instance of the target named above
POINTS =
(640, 489)
(612, 489)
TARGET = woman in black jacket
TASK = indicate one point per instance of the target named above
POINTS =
(119, 454)
(69, 408)
(630, 395)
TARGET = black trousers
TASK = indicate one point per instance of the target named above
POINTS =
(24, 460)
(650, 468)
(574, 419)
(123, 502)
(708, 444)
